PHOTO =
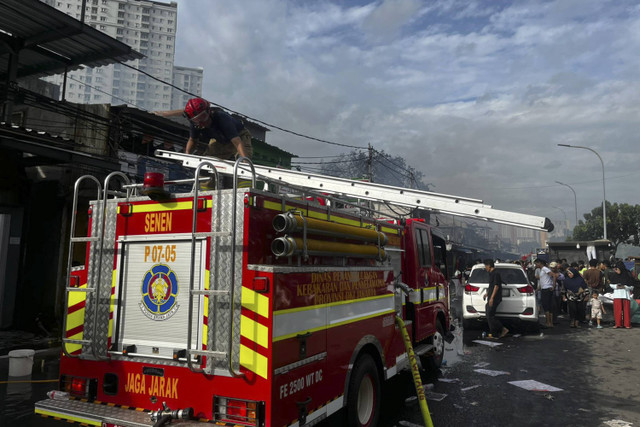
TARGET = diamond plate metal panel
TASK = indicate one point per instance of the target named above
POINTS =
(220, 315)
(93, 272)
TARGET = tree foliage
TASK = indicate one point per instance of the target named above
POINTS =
(623, 224)
(384, 168)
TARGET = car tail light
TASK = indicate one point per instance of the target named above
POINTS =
(528, 311)
(528, 290)
(471, 309)
(238, 411)
(80, 387)
(470, 288)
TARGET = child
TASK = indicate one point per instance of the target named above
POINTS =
(597, 309)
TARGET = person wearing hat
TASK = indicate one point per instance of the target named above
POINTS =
(225, 135)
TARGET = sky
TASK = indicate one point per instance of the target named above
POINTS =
(474, 94)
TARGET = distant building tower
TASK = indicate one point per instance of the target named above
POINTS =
(189, 80)
(148, 27)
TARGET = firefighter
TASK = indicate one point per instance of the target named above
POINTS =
(226, 135)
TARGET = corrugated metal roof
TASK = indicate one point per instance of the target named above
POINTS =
(48, 41)
(46, 147)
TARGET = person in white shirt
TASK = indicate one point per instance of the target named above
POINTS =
(546, 284)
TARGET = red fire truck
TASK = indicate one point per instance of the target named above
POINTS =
(247, 306)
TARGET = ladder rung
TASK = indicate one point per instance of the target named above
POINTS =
(209, 292)
(70, 289)
(84, 239)
(216, 354)
(213, 234)
(68, 341)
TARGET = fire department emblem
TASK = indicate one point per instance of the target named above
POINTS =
(159, 293)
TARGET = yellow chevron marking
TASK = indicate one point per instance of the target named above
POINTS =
(75, 319)
(205, 327)
(68, 417)
(254, 331)
(112, 302)
(255, 302)
(76, 297)
(253, 361)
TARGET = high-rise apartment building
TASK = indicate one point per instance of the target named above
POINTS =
(187, 79)
(148, 27)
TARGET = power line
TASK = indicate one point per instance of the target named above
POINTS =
(244, 115)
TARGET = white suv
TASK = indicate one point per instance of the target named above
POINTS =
(518, 296)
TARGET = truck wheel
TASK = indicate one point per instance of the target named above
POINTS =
(435, 361)
(363, 401)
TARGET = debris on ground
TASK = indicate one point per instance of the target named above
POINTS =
(533, 385)
(470, 388)
(410, 400)
(618, 423)
(481, 365)
(431, 395)
(491, 372)
(487, 343)
(449, 380)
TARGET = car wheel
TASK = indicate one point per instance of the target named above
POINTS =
(363, 400)
(467, 324)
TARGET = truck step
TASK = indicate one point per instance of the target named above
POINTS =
(96, 414)
(423, 349)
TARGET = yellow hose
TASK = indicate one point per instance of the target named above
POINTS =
(417, 380)
(290, 222)
(287, 246)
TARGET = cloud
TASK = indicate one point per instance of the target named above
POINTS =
(476, 95)
(389, 17)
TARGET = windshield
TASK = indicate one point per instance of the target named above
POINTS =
(510, 276)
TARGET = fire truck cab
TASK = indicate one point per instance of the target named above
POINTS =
(242, 306)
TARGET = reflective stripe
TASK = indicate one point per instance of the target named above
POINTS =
(170, 206)
(254, 301)
(289, 323)
(65, 416)
(429, 294)
(253, 361)
(254, 331)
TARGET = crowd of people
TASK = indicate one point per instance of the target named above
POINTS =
(576, 289)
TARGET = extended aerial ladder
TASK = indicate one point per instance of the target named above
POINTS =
(397, 196)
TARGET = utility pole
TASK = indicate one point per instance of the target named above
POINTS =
(370, 164)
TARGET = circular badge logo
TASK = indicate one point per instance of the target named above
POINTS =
(159, 293)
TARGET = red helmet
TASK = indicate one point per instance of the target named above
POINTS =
(194, 107)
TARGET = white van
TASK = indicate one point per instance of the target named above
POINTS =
(518, 296)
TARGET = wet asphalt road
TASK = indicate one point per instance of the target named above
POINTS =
(597, 370)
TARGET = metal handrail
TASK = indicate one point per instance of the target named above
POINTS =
(233, 253)
(107, 180)
(74, 208)
(196, 185)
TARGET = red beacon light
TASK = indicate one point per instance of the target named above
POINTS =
(153, 186)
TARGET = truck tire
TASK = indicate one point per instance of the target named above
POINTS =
(363, 400)
(435, 361)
